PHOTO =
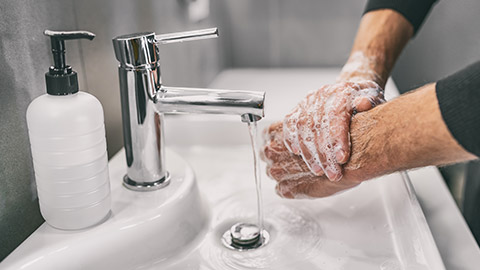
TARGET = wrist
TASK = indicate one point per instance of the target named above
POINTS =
(407, 132)
(371, 155)
(364, 66)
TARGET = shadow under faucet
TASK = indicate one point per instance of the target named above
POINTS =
(144, 100)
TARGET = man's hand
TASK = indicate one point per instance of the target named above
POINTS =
(405, 133)
(294, 179)
(318, 127)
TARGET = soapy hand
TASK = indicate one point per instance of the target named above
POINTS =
(294, 178)
(318, 127)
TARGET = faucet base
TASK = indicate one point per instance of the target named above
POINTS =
(146, 186)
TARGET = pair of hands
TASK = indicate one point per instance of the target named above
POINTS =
(306, 153)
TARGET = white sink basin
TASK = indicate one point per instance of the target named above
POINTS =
(376, 226)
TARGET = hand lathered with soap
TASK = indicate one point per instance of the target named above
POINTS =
(344, 133)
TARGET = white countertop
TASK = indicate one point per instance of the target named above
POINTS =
(454, 240)
(224, 134)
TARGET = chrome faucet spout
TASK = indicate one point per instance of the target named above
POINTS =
(145, 99)
(211, 101)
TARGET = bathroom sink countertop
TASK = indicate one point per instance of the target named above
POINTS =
(285, 87)
(377, 224)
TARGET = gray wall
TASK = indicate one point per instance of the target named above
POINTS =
(286, 33)
(25, 57)
(448, 41)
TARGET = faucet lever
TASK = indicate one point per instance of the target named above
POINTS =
(186, 36)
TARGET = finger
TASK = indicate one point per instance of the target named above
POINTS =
(362, 104)
(269, 170)
(280, 173)
(325, 148)
(271, 131)
(275, 150)
(338, 128)
(292, 168)
(273, 142)
(370, 95)
(308, 127)
(298, 189)
(308, 148)
(272, 153)
(341, 139)
(328, 157)
(336, 125)
(290, 124)
(290, 131)
(263, 156)
(318, 188)
(332, 169)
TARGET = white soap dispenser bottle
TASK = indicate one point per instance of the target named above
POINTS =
(67, 138)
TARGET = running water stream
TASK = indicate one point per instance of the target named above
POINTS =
(245, 236)
(288, 235)
(252, 128)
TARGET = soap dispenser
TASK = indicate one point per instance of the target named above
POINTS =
(67, 138)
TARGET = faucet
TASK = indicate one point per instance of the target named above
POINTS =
(144, 100)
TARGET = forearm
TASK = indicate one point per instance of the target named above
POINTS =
(406, 133)
(381, 36)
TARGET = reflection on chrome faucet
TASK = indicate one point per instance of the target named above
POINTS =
(144, 100)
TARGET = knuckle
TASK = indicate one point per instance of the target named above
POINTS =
(267, 152)
(276, 173)
(268, 171)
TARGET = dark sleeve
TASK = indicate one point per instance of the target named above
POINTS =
(459, 100)
(415, 11)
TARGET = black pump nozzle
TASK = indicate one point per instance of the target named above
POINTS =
(60, 78)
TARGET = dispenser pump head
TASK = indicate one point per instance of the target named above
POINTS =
(60, 78)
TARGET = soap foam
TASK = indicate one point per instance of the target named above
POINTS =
(311, 130)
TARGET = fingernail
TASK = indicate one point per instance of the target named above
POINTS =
(340, 155)
(317, 169)
(333, 177)
(295, 150)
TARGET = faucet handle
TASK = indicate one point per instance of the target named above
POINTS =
(140, 49)
(186, 36)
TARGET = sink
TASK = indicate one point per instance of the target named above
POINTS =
(378, 225)
(144, 228)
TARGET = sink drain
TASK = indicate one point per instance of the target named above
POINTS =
(245, 236)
